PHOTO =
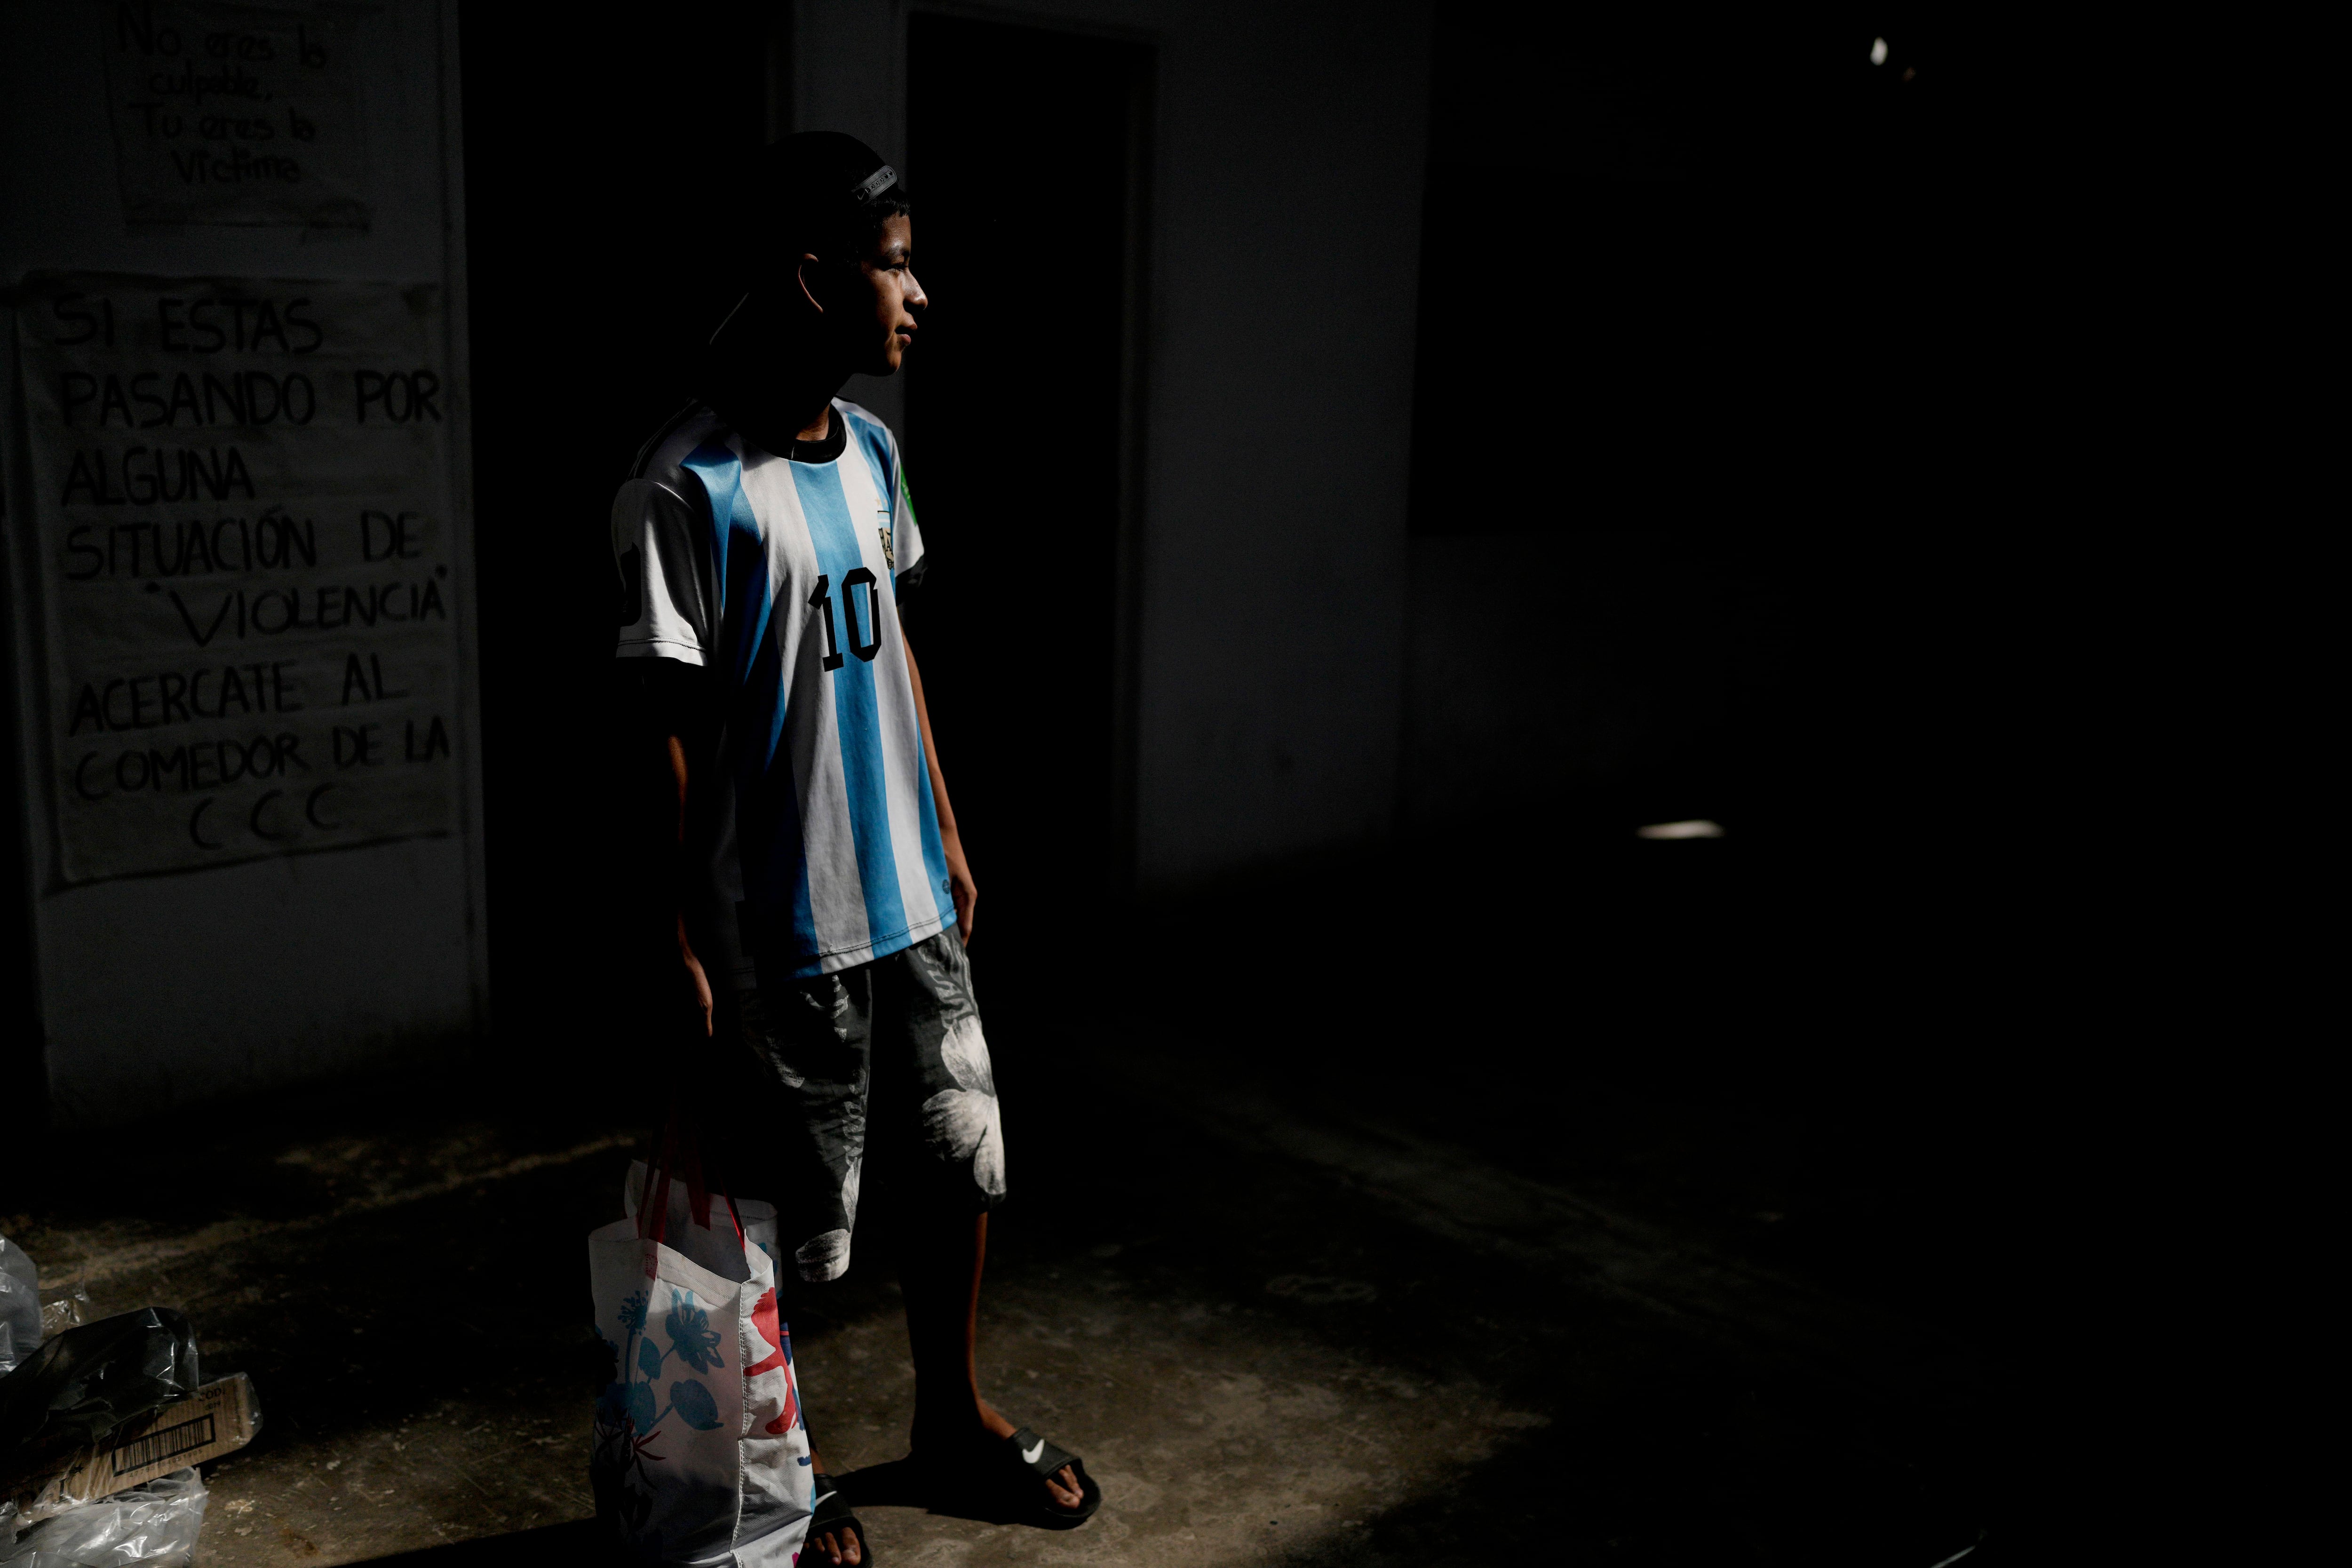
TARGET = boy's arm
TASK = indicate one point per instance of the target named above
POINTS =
(667, 608)
(960, 883)
(667, 695)
(698, 983)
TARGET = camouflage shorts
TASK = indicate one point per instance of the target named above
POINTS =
(893, 1048)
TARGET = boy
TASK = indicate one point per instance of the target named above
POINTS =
(764, 540)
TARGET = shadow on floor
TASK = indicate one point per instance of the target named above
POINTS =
(578, 1542)
(897, 1483)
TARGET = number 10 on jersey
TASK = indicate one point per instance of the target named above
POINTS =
(861, 594)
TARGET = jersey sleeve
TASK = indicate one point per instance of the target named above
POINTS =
(661, 551)
(906, 535)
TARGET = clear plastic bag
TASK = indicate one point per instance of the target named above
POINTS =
(20, 1306)
(81, 1385)
(60, 1313)
(154, 1525)
(88, 1381)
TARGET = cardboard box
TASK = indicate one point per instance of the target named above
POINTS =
(218, 1419)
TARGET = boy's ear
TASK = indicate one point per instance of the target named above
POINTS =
(801, 274)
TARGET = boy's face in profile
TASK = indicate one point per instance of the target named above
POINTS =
(876, 305)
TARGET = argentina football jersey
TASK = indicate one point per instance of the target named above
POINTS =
(780, 577)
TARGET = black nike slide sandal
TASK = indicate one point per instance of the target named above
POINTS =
(833, 1515)
(1010, 1476)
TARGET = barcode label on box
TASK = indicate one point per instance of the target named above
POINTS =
(167, 1443)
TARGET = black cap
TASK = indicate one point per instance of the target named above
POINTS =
(814, 193)
(825, 172)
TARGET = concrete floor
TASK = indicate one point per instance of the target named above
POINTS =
(1278, 1336)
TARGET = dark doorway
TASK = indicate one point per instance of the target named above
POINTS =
(1025, 152)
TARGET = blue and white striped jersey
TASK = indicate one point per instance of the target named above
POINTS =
(781, 576)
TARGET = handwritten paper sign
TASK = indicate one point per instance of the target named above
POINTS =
(234, 114)
(249, 616)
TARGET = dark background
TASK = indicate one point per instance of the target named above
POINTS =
(1725, 318)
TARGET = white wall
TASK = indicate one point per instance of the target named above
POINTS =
(158, 991)
(1289, 148)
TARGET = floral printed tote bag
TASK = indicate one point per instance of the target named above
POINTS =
(698, 1455)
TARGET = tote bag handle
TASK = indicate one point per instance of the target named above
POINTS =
(679, 1149)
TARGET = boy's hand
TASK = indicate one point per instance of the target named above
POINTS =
(960, 883)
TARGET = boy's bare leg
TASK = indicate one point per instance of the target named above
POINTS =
(941, 1274)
